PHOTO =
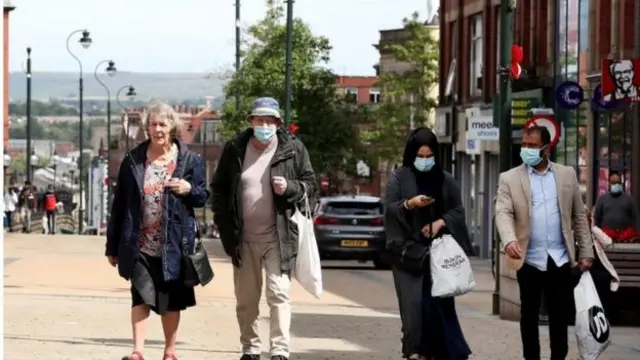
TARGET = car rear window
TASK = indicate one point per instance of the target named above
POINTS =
(354, 208)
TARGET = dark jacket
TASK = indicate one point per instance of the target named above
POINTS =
(126, 212)
(28, 198)
(617, 212)
(291, 161)
(399, 229)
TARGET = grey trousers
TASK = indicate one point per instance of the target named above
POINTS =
(26, 213)
(248, 281)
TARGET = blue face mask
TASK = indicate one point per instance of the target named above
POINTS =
(616, 189)
(424, 164)
(264, 134)
(531, 156)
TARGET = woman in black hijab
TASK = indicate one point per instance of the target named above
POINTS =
(423, 202)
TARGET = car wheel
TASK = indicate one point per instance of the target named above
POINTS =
(379, 264)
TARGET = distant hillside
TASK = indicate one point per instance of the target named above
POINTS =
(164, 86)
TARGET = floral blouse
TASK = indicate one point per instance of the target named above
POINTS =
(152, 235)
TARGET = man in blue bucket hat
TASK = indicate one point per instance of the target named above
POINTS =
(263, 173)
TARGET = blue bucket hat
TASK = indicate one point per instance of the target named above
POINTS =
(265, 106)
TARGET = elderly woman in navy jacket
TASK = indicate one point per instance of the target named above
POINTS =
(160, 182)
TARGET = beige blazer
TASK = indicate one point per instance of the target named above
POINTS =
(513, 212)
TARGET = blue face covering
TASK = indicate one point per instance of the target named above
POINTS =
(531, 156)
(616, 189)
(264, 134)
(424, 164)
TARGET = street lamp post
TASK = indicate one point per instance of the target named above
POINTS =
(28, 71)
(33, 160)
(501, 112)
(131, 94)
(85, 41)
(55, 159)
(111, 71)
(238, 53)
(72, 173)
(288, 65)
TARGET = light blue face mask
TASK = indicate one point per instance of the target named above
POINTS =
(531, 156)
(616, 189)
(264, 134)
(424, 164)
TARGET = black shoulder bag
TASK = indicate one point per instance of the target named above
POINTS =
(195, 265)
(411, 256)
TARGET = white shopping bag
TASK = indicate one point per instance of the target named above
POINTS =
(308, 269)
(592, 327)
(451, 272)
(45, 224)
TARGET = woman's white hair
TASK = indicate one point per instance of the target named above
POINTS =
(159, 109)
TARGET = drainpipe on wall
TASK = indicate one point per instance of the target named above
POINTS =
(635, 134)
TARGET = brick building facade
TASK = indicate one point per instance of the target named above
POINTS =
(362, 89)
(562, 40)
(611, 31)
(470, 35)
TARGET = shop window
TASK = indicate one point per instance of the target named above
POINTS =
(475, 70)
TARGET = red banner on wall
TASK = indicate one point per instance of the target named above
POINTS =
(621, 80)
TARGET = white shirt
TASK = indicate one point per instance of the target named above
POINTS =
(10, 201)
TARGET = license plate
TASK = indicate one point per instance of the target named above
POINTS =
(354, 243)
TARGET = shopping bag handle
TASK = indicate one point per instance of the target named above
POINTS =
(305, 199)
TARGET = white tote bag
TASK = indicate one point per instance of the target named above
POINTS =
(308, 269)
(593, 332)
(451, 272)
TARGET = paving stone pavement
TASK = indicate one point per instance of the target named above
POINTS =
(63, 302)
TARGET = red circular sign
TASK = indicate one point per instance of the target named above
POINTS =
(550, 123)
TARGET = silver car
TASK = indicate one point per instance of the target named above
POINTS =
(350, 228)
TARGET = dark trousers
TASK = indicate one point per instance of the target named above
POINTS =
(9, 215)
(51, 222)
(557, 285)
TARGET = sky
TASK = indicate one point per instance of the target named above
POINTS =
(196, 36)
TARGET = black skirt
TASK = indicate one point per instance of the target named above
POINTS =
(148, 287)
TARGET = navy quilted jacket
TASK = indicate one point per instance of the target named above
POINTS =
(126, 211)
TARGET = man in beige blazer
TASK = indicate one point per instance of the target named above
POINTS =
(541, 221)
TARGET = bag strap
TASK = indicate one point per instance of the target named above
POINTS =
(305, 200)
(184, 244)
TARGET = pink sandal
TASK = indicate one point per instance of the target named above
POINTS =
(136, 355)
(169, 356)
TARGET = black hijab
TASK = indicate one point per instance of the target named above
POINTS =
(430, 182)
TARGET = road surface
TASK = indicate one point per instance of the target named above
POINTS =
(64, 302)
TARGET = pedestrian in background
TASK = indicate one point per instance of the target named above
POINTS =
(159, 181)
(10, 203)
(49, 204)
(423, 202)
(263, 173)
(28, 203)
(616, 212)
(540, 217)
(604, 275)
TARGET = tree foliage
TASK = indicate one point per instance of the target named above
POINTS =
(323, 117)
(406, 96)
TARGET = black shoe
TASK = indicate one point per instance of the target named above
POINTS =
(279, 357)
(250, 357)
